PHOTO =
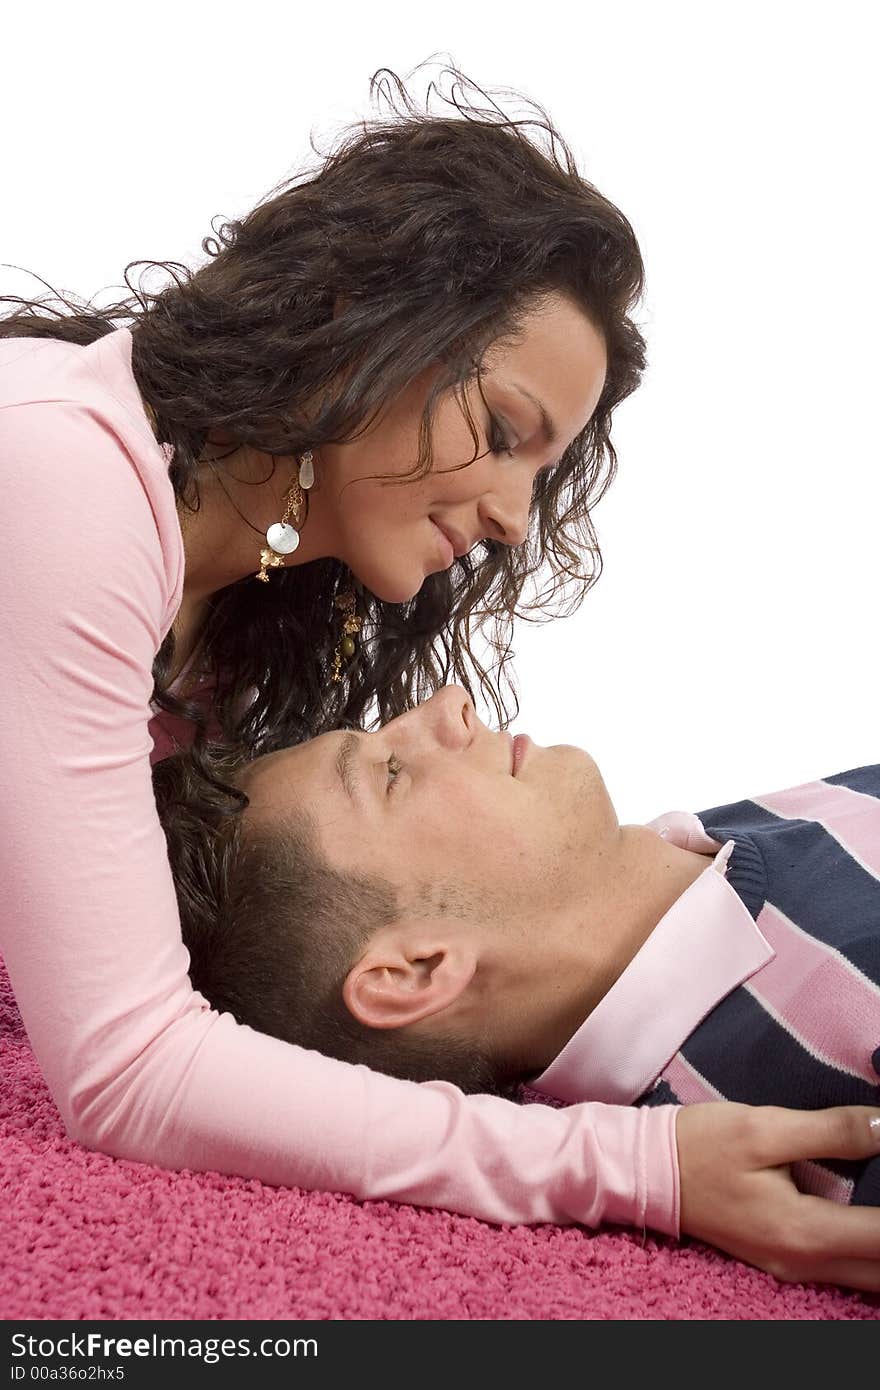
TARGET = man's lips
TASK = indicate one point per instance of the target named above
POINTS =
(521, 744)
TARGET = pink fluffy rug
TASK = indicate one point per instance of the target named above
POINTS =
(86, 1236)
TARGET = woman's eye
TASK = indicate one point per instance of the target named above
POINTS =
(395, 767)
(497, 440)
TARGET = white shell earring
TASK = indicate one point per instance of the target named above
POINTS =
(306, 471)
(283, 537)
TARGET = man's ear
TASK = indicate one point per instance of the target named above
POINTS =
(409, 971)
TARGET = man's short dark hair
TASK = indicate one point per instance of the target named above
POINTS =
(272, 931)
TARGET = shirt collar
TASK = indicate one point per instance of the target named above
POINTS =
(701, 949)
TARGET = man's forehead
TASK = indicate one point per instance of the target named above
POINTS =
(309, 763)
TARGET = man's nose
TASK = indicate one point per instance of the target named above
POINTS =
(447, 720)
(453, 716)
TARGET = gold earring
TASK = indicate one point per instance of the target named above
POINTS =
(282, 537)
(346, 646)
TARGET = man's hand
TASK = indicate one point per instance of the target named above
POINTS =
(737, 1191)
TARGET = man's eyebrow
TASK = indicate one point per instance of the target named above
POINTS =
(551, 433)
(346, 766)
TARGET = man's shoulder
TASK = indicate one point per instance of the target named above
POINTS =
(864, 780)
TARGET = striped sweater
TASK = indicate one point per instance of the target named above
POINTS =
(797, 1024)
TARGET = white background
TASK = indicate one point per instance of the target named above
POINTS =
(731, 645)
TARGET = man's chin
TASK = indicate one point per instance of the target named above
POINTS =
(577, 756)
(584, 768)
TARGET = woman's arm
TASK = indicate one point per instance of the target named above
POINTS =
(137, 1062)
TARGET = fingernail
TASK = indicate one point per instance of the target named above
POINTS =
(874, 1124)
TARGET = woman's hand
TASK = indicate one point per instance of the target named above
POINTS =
(737, 1191)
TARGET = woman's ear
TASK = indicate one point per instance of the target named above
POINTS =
(408, 972)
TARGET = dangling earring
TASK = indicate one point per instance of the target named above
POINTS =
(347, 602)
(282, 537)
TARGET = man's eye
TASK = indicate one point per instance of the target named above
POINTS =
(395, 767)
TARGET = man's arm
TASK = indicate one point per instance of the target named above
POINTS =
(737, 1191)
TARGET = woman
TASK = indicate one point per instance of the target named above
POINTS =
(351, 336)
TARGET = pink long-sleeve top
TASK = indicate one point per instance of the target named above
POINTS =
(138, 1063)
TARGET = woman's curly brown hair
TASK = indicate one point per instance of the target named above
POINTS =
(438, 234)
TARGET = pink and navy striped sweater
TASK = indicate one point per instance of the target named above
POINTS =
(762, 983)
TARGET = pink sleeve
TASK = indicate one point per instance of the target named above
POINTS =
(138, 1063)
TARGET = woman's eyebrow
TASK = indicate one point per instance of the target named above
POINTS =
(551, 434)
(347, 768)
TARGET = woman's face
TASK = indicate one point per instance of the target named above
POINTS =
(392, 536)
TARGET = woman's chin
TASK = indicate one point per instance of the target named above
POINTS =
(397, 593)
(392, 588)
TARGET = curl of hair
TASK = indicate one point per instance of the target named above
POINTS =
(438, 234)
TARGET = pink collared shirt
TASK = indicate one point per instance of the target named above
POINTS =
(139, 1065)
(702, 948)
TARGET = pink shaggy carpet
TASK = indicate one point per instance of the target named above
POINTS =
(84, 1236)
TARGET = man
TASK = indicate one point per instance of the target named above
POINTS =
(440, 901)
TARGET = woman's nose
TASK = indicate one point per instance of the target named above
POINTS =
(505, 515)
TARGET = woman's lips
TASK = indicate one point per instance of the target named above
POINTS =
(448, 552)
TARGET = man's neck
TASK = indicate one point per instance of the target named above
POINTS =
(617, 917)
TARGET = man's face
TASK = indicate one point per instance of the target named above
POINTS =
(431, 803)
